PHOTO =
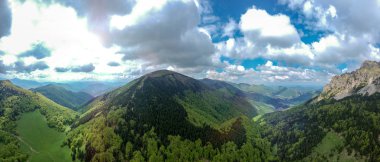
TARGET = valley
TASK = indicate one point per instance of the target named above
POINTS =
(168, 116)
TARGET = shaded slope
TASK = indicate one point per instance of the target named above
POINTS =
(162, 104)
(63, 96)
(183, 93)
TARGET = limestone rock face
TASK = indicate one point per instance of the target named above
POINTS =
(363, 81)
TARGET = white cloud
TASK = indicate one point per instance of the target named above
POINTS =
(265, 35)
(139, 11)
(270, 73)
(258, 25)
(230, 28)
(67, 36)
(339, 48)
(159, 38)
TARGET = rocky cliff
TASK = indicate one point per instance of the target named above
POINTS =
(363, 81)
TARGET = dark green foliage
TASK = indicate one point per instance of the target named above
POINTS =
(296, 131)
(63, 96)
(100, 140)
(166, 116)
(9, 148)
(171, 102)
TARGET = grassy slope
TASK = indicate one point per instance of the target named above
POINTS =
(262, 108)
(40, 141)
(329, 148)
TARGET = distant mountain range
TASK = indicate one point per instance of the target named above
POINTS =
(168, 116)
(269, 99)
(94, 88)
(63, 96)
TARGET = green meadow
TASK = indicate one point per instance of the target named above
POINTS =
(42, 143)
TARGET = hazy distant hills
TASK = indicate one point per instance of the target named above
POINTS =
(63, 96)
(271, 98)
(94, 88)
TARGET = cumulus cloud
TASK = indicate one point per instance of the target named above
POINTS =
(62, 69)
(113, 63)
(274, 37)
(38, 51)
(268, 36)
(98, 12)
(146, 31)
(83, 68)
(262, 29)
(154, 35)
(5, 18)
(2, 67)
(335, 49)
(270, 73)
(352, 36)
(21, 67)
(230, 28)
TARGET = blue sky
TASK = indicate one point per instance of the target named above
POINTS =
(282, 42)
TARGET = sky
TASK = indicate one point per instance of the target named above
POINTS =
(284, 42)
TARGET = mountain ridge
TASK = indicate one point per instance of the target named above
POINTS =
(363, 81)
(63, 96)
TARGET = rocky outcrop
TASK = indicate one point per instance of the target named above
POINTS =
(364, 81)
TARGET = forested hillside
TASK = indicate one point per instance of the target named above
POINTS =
(63, 96)
(15, 101)
(166, 115)
(299, 132)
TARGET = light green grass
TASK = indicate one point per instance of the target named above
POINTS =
(261, 108)
(42, 143)
(328, 150)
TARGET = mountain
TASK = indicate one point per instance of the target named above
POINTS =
(94, 88)
(272, 98)
(63, 96)
(167, 115)
(18, 104)
(364, 81)
(252, 88)
(27, 84)
(196, 97)
(330, 129)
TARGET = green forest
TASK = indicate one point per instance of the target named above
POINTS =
(167, 116)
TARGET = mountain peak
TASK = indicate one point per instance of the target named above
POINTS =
(370, 64)
(363, 81)
(160, 73)
(5, 82)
